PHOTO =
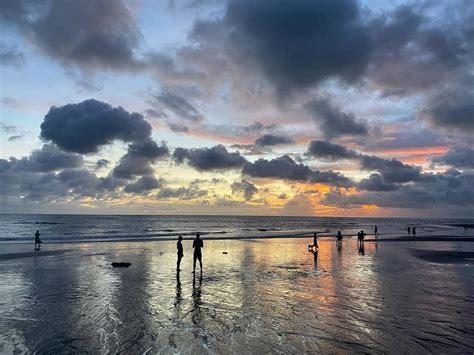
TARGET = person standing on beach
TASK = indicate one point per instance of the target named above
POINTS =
(179, 246)
(376, 231)
(37, 240)
(197, 245)
(414, 231)
(408, 230)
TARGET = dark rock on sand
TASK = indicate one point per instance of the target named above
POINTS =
(122, 264)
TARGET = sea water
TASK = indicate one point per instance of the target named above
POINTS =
(70, 228)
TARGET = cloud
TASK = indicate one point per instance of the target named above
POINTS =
(179, 106)
(8, 101)
(143, 185)
(101, 163)
(280, 168)
(451, 109)
(206, 159)
(87, 126)
(131, 166)
(273, 139)
(286, 168)
(375, 182)
(333, 121)
(14, 138)
(48, 158)
(245, 186)
(458, 157)
(329, 151)
(101, 35)
(391, 170)
(249, 149)
(10, 55)
(411, 40)
(320, 40)
(183, 193)
(7, 128)
(451, 188)
(148, 149)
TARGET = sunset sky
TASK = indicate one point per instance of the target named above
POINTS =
(324, 108)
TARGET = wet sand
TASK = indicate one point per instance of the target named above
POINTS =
(264, 296)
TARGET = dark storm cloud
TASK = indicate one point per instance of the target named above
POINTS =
(148, 149)
(286, 168)
(143, 185)
(458, 157)
(330, 178)
(183, 193)
(375, 182)
(272, 139)
(333, 121)
(451, 188)
(246, 187)
(329, 151)
(137, 161)
(215, 158)
(298, 43)
(79, 181)
(10, 55)
(87, 126)
(280, 168)
(131, 166)
(433, 51)
(451, 109)
(99, 34)
(179, 106)
(392, 170)
(48, 158)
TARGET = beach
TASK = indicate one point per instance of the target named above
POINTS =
(268, 295)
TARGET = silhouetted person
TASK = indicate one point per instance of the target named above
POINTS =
(179, 246)
(376, 231)
(413, 231)
(315, 241)
(339, 236)
(37, 240)
(197, 245)
(360, 238)
(408, 230)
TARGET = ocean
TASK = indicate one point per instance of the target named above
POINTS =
(79, 228)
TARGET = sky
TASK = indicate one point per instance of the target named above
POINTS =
(247, 107)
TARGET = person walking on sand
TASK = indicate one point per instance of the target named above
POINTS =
(197, 245)
(413, 231)
(179, 246)
(376, 231)
(408, 230)
(37, 240)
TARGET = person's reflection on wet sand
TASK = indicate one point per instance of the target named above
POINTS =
(315, 256)
(360, 248)
(179, 298)
(196, 310)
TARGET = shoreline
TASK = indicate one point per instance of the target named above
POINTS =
(389, 238)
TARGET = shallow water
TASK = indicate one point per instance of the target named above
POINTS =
(263, 296)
